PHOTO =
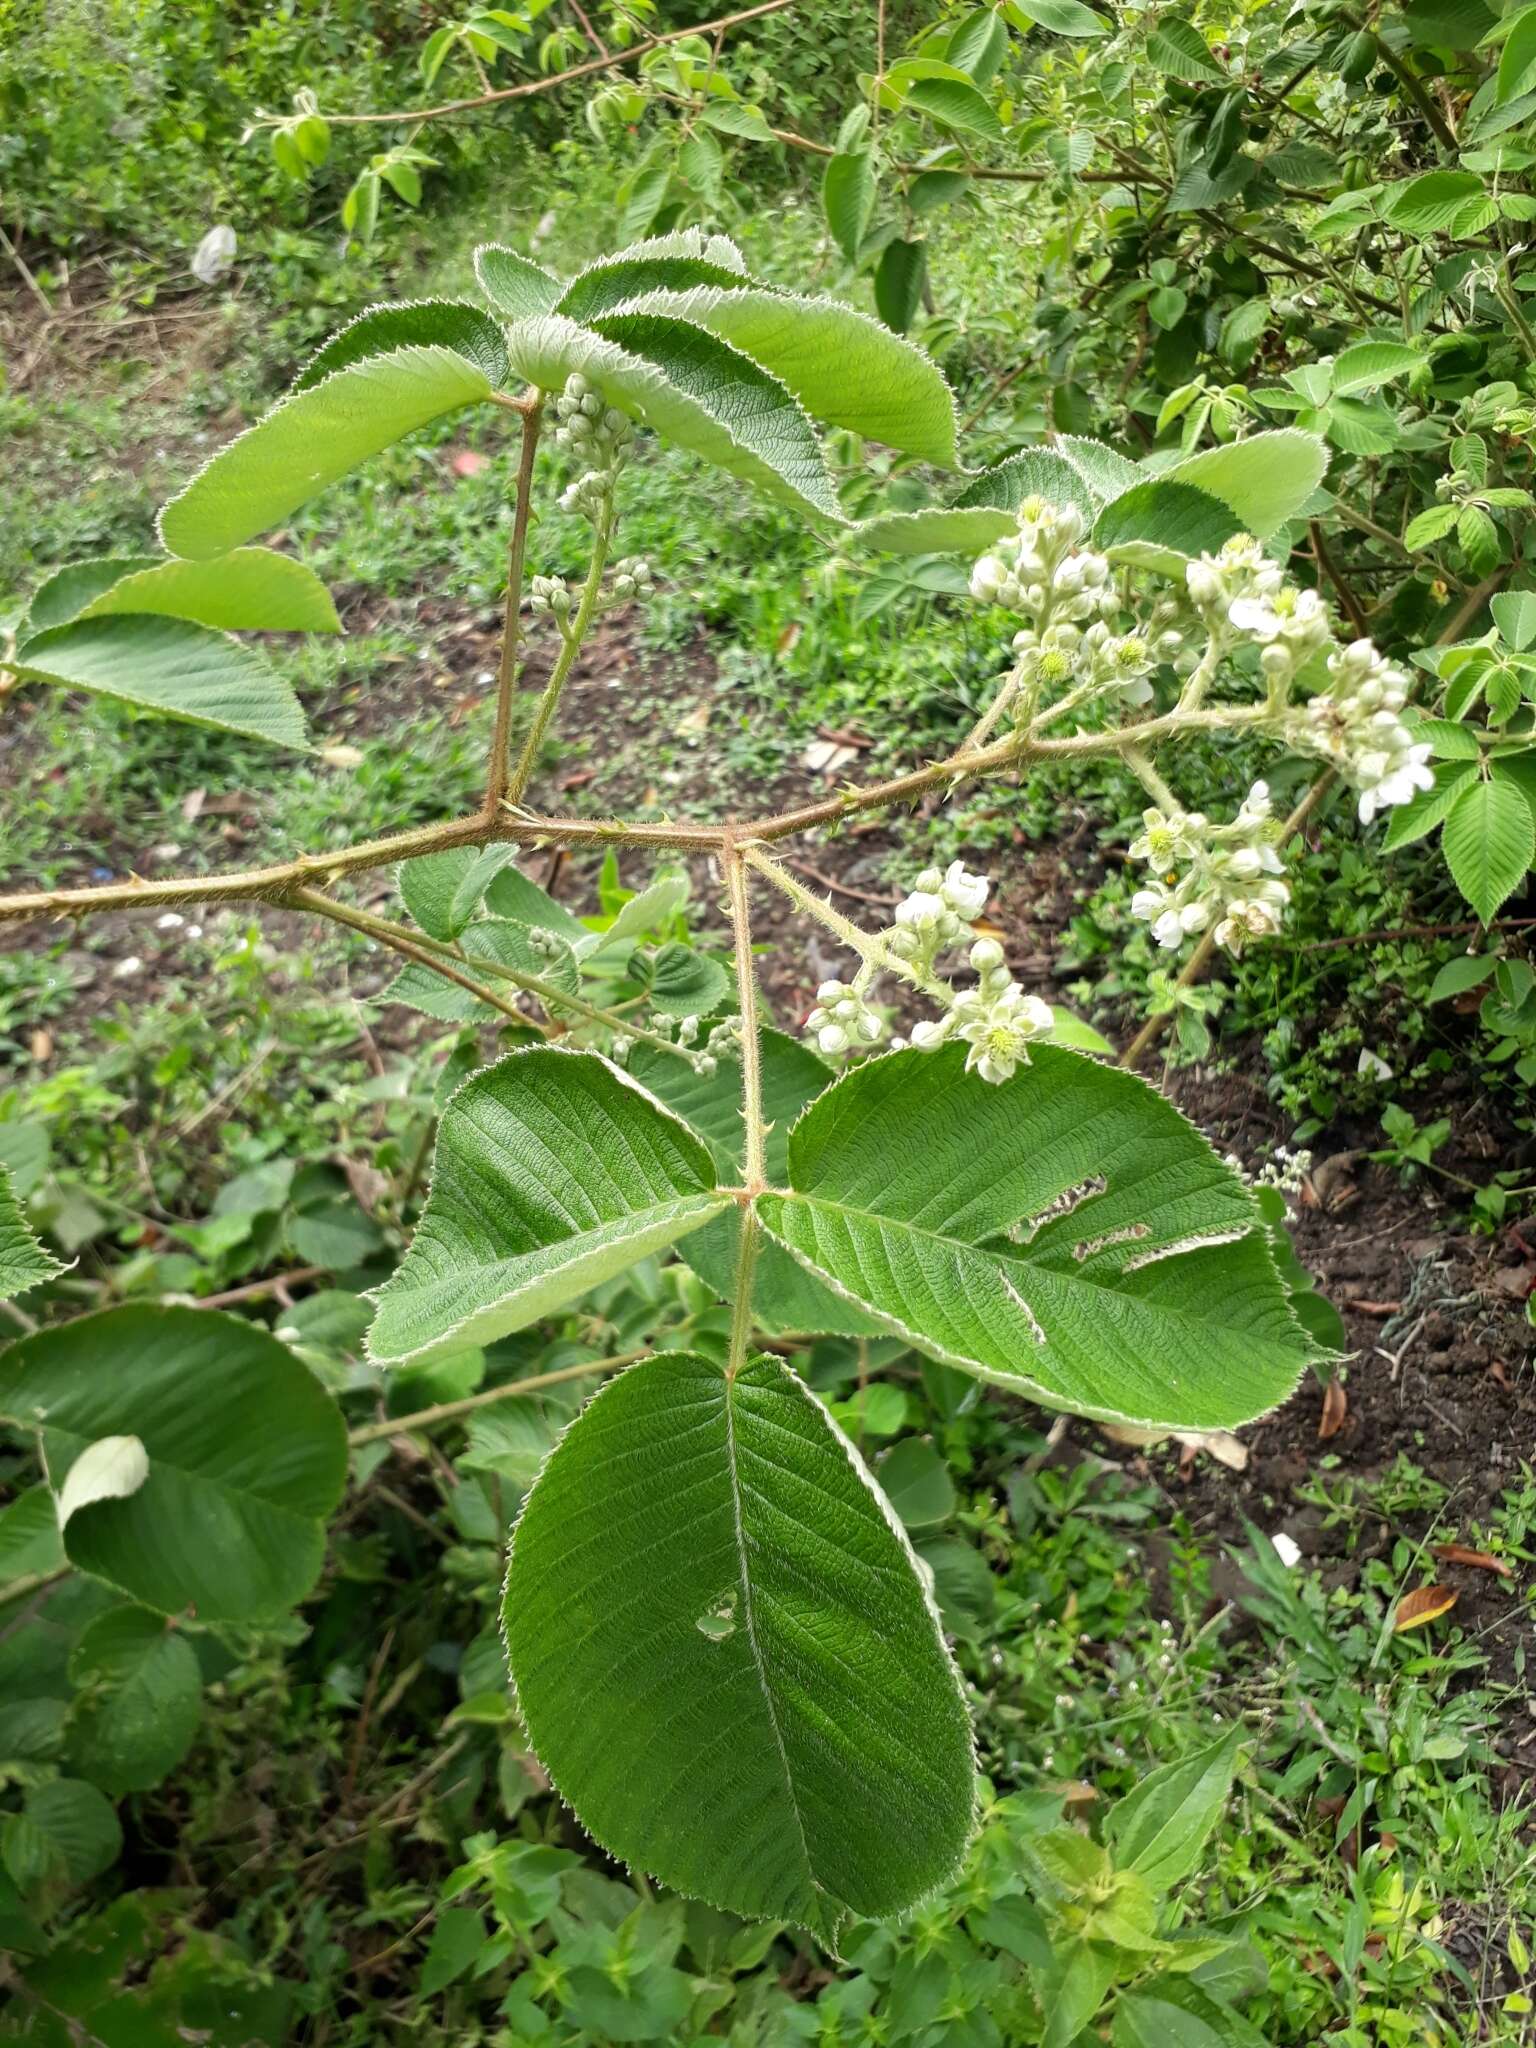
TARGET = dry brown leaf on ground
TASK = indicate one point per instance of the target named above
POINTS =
(1335, 1410)
(1482, 1560)
(1426, 1604)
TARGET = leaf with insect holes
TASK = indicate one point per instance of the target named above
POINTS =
(725, 1656)
(1066, 1234)
(1489, 839)
(692, 389)
(171, 666)
(312, 437)
(842, 366)
(23, 1261)
(252, 590)
(553, 1171)
(246, 1455)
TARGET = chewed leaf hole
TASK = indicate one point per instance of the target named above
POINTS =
(719, 1621)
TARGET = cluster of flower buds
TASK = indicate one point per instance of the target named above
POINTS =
(1205, 874)
(630, 578)
(599, 436)
(552, 595)
(1041, 570)
(704, 1056)
(1357, 724)
(995, 1018)
(1238, 572)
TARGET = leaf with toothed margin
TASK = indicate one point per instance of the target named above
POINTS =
(1143, 1289)
(1162, 524)
(312, 437)
(686, 242)
(413, 323)
(553, 1171)
(843, 367)
(615, 281)
(725, 1656)
(1263, 480)
(171, 666)
(985, 510)
(516, 286)
(706, 396)
(23, 1261)
(253, 590)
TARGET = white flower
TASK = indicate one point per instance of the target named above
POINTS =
(921, 911)
(966, 894)
(999, 1029)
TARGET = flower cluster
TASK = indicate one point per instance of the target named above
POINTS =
(599, 436)
(995, 1018)
(704, 1056)
(1205, 874)
(1041, 569)
(1238, 573)
(1357, 724)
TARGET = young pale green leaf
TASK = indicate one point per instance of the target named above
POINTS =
(516, 286)
(842, 366)
(143, 1700)
(784, 1295)
(1514, 613)
(172, 666)
(848, 198)
(985, 510)
(1142, 1289)
(553, 1171)
(415, 323)
(1104, 473)
(247, 1455)
(253, 590)
(724, 1654)
(23, 1261)
(1162, 524)
(693, 389)
(1265, 480)
(1160, 1827)
(311, 438)
(1490, 842)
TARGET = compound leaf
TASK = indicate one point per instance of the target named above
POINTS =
(311, 438)
(1067, 1234)
(247, 1455)
(553, 1171)
(172, 666)
(725, 1656)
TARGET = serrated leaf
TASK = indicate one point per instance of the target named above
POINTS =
(311, 438)
(724, 1654)
(145, 1700)
(985, 510)
(1152, 1299)
(65, 594)
(65, 1834)
(1265, 479)
(23, 1261)
(172, 666)
(899, 279)
(682, 982)
(848, 198)
(1369, 364)
(516, 286)
(1435, 201)
(842, 366)
(1177, 48)
(504, 943)
(693, 389)
(412, 323)
(248, 590)
(553, 1171)
(1104, 472)
(616, 281)
(1426, 808)
(1062, 17)
(1514, 613)
(1490, 843)
(1162, 524)
(247, 1455)
(1517, 59)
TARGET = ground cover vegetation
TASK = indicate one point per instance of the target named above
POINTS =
(646, 657)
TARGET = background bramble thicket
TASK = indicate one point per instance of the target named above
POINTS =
(1154, 225)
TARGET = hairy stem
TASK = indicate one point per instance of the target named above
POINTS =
(861, 942)
(571, 638)
(512, 621)
(449, 1411)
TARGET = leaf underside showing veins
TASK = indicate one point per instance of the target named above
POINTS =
(725, 1656)
(1141, 1287)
